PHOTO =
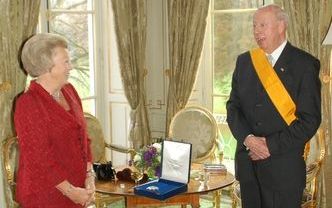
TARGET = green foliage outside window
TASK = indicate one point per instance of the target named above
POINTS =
(72, 20)
(75, 27)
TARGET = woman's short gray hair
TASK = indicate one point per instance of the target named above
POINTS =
(38, 51)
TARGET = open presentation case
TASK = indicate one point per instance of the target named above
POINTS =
(175, 172)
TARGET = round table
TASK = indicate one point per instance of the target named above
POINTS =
(191, 196)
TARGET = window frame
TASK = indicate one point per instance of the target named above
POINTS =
(101, 63)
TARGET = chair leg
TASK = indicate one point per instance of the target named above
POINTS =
(234, 202)
(217, 198)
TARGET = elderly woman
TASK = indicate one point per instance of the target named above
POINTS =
(55, 159)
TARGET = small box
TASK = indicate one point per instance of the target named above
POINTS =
(175, 172)
(215, 168)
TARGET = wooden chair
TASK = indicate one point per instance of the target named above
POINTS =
(196, 125)
(98, 147)
(10, 164)
(313, 167)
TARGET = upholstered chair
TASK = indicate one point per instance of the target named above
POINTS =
(314, 155)
(196, 125)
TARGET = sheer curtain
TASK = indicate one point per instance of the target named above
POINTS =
(18, 20)
(130, 26)
(309, 22)
(186, 25)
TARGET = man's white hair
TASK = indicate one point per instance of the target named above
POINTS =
(278, 11)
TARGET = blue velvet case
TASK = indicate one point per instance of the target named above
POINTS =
(175, 172)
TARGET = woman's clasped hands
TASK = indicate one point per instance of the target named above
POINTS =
(83, 196)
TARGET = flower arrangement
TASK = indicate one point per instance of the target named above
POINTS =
(149, 159)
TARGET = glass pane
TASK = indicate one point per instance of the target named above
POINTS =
(76, 29)
(228, 141)
(239, 4)
(219, 104)
(89, 106)
(80, 5)
(232, 36)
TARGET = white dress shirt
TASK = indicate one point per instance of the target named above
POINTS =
(276, 53)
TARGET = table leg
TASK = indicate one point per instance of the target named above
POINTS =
(130, 202)
(195, 200)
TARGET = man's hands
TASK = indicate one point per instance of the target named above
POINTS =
(258, 149)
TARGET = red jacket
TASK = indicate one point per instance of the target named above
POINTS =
(53, 146)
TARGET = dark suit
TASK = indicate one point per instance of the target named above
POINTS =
(250, 111)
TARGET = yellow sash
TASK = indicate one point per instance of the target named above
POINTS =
(273, 86)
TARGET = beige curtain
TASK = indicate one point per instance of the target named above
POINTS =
(18, 20)
(130, 26)
(309, 21)
(186, 25)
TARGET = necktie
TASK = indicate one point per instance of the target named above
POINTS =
(270, 58)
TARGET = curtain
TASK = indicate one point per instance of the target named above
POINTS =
(130, 27)
(18, 20)
(186, 25)
(309, 22)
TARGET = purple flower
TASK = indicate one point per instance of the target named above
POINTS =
(149, 160)
(130, 162)
(147, 156)
(153, 150)
(158, 171)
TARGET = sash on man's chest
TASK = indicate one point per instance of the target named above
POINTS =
(273, 86)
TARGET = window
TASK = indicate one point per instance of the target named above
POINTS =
(231, 35)
(75, 20)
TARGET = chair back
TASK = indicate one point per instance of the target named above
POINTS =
(96, 135)
(196, 125)
(98, 143)
(10, 156)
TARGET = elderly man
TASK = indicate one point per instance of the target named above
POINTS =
(273, 110)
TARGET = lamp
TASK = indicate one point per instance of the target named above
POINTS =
(328, 38)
